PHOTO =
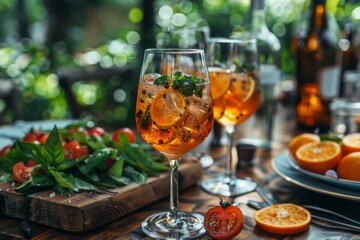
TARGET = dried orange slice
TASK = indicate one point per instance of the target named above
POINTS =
(318, 156)
(286, 218)
(167, 109)
(349, 167)
(219, 82)
(300, 140)
(242, 86)
(351, 143)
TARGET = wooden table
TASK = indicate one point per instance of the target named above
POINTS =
(194, 199)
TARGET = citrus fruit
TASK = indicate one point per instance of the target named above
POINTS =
(300, 140)
(242, 86)
(286, 218)
(318, 156)
(167, 108)
(219, 82)
(349, 167)
(351, 143)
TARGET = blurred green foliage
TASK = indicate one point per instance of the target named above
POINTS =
(39, 37)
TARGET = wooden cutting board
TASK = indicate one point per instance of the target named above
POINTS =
(84, 211)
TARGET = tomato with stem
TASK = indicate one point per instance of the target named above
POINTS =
(224, 221)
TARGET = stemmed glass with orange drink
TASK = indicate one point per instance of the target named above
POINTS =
(233, 69)
(174, 114)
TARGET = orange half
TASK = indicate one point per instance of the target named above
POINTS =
(318, 157)
(286, 218)
(351, 143)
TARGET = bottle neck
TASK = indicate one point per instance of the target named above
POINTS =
(257, 15)
(318, 18)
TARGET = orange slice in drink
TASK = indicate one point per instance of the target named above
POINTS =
(242, 86)
(286, 218)
(219, 82)
(318, 156)
(351, 143)
(300, 140)
(349, 167)
(167, 109)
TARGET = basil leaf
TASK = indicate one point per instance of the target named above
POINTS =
(7, 162)
(121, 181)
(62, 190)
(80, 184)
(64, 180)
(35, 183)
(95, 142)
(34, 151)
(52, 150)
(80, 137)
(92, 175)
(117, 169)
(97, 157)
(141, 159)
(66, 164)
(135, 175)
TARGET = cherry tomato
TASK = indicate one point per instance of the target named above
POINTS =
(96, 132)
(5, 150)
(43, 139)
(224, 221)
(31, 163)
(32, 136)
(129, 133)
(74, 150)
(74, 130)
(21, 173)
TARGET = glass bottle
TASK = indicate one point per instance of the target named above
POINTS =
(317, 72)
(269, 57)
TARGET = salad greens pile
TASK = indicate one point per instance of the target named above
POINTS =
(130, 162)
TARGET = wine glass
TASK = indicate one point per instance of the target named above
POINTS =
(174, 114)
(233, 69)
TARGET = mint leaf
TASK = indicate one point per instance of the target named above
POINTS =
(188, 85)
(163, 80)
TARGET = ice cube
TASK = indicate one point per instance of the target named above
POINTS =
(150, 77)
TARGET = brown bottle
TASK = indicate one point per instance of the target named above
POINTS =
(317, 72)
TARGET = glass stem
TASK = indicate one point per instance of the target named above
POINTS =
(174, 190)
(230, 130)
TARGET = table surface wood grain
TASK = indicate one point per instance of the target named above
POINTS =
(194, 199)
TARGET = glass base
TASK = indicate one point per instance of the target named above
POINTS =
(226, 186)
(160, 226)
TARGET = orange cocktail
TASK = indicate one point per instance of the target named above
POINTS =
(236, 95)
(169, 121)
